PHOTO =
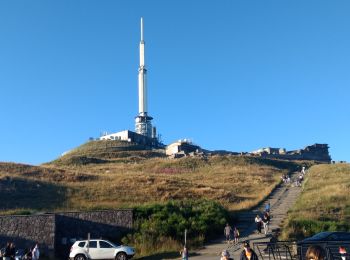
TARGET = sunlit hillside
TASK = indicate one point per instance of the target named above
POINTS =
(235, 182)
(324, 204)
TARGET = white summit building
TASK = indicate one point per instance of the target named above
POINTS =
(144, 132)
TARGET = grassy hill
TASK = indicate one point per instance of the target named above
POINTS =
(102, 151)
(234, 182)
(324, 204)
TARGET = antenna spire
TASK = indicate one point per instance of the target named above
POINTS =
(143, 124)
(141, 29)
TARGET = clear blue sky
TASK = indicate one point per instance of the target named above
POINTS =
(229, 74)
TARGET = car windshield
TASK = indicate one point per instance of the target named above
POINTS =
(115, 245)
(321, 235)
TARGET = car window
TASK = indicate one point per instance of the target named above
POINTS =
(321, 236)
(93, 244)
(113, 244)
(104, 244)
(81, 244)
(343, 236)
(332, 237)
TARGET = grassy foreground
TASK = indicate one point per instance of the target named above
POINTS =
(324, 204)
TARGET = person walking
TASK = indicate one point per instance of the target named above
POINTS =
(184, 253)
(258, 222)
(12, 251)
(7, 253)
(28, 255)
(267, 207)
(227, 233)
(248, 253)
(342, 252)
(315, 253)
(266, 221)
(235, 235)
(225, 255)
(36, 252)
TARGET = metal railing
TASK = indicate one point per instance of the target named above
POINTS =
(290, 250)
(281, 250)
(331, 249)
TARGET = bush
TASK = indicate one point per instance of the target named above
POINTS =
(302, 228)
(155, 224)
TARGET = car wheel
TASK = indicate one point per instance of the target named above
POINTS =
(79, 257)
(121, 256)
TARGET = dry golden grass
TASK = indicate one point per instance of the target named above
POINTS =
(235, 182)
(324, 203)
(326, 193)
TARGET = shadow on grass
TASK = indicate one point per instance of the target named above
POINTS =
(30, 194)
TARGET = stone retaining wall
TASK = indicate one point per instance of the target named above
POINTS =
(109, 224)
(56, 232)
(24, 231)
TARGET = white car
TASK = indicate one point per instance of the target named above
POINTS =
(99, 249)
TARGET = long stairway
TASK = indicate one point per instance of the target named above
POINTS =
(281, 199)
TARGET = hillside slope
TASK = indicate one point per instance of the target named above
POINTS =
(235, 182)
(102, 151)
(324, 204)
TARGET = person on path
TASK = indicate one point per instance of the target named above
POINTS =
(248, 253)
(342, 252)
(288, 179)
(36, 252)
(225, 255)
(258, 222)
(301, 178)
(235, 235)
(12, 251)
(28, 255)
(184, 253)
(7, 252)
(315, 253)
(266, 221)
(227, 233)
(267, 207)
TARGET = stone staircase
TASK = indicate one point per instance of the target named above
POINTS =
(281, 199)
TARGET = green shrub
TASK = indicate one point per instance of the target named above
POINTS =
(301, 228)
(156, 223)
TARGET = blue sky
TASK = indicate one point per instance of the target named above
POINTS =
(229, 74)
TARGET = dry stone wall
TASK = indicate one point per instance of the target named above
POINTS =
(55, 233)
(109, 224)
(24, 231)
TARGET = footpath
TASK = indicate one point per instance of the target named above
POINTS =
(281, 199)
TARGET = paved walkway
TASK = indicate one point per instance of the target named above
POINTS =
(281, 199)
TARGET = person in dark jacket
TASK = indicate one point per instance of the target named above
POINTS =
(315, 252)
(7, 252)
(28, 255)
(248, 253)
(225, 255)
(258, 222)
(12, 251)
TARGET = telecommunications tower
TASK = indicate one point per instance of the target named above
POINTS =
(143, 124)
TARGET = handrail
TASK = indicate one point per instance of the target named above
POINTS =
(285, 250)
(275, 250)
